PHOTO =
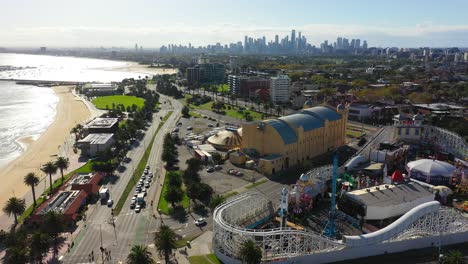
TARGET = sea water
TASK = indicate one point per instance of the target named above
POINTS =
(28, 110)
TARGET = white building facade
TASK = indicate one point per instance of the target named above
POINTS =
(279, 89)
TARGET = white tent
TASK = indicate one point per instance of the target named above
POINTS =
(428, 169)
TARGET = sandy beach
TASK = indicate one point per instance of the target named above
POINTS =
(70, 111)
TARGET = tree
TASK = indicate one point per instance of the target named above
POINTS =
(250, 253)
(15, 255)
(53, 224)
(173, 195)
(62, 164)
(14, 206)
(186, 111)
(454, 257)
(215, 201)
(140, 255)
(32, 180)
(217, 158)
(50, 168)
(174, 179)
(165, 241)
(191, 173)
(38, 246)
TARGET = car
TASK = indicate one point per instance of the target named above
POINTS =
(143, 177)
(210, 125)
(132, 205)
(179, 124)
(137, 208)
(200, 222)
(110, 202)
(189, 128)
(147, 185)
(218, 167)
(139, 185)
(138, 189)
(133, 199)
(210, 169)
(146, 172)
(150, 175)
(143, 190)
(175, 129)
(239, 173)
(147, 167)
(149, 180)
(140, 181)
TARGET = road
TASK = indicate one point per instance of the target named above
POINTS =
(130, 228)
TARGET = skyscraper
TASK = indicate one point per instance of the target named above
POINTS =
(364, 45)
(293, 39)
(357, 44)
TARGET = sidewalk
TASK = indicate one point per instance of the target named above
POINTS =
(199, 246)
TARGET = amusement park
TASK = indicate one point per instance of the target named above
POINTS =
(405, 189)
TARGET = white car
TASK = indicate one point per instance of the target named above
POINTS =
(200, 222)
(137, 208)
(110, 202)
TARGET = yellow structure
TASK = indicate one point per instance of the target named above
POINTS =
(292, 139)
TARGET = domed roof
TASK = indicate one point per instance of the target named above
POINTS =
(226, 139)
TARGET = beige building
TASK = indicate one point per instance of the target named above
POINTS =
(292, 139)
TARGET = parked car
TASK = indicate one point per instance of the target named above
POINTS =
(110, 202)
(210, 125)
(189, 128)
(218, 167)
(179, 124)
(200, 222)
(147, 167)
(132, 205)
(147, 185)
(137, 208)
(210, 169)
(239, 173)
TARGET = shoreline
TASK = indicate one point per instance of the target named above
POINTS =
(70, 110)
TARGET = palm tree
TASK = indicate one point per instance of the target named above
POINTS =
(140, 255)
(15, 207)
(32, 180)
(14, 255)
(165, 241)
(62, 164)
(38, 245)
(250, 253)
(454, 257)
(49, 168)
(53, 224)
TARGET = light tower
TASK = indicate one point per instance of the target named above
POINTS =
(330, 228)
(283, 211)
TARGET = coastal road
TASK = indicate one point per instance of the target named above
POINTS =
(129, 226)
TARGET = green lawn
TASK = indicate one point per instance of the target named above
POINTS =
(353, 133)
(84, 169)
(226, 196)
(163, 205)
(233, 112)
(139, 169)
(105, 102)
(256, 184)
(204, 259)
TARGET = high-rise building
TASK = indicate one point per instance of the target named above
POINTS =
(364, 45)
(136, 47)
(276, 39)
(279, 89)
(293, 39)
(357, 44)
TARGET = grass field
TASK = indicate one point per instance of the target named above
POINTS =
(352, 133)
(204, 259)
(105, 102)
(139, 169)
(163, 205)
(57, 183)
(256, 184)
(233, 112)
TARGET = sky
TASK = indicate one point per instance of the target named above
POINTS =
(152, 23)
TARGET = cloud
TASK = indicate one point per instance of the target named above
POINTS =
(423, 34)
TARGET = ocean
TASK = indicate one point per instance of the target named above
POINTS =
(27, 110)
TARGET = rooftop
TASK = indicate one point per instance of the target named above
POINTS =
(101, 122)
(284, 130)
(389, 194)
(82, 178)
(100, 138)
(60, 202)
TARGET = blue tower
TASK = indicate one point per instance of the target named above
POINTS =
(330, 229)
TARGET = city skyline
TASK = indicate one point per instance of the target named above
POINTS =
(152, 24)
